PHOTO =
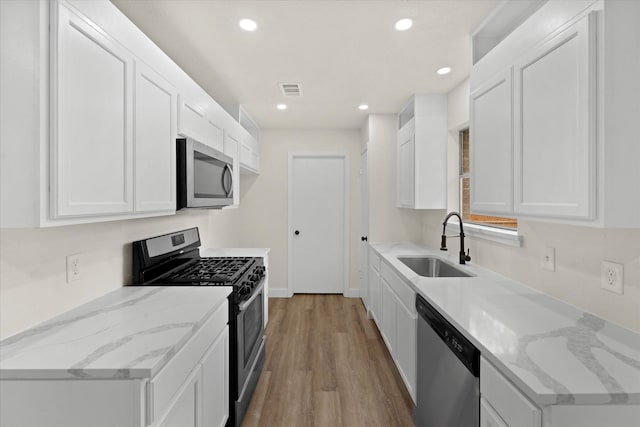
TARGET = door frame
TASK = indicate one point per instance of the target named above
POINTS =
(345, 215)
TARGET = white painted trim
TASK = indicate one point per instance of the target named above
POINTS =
(319, 154)
(279, 293)
(352, 293)
(493, 234)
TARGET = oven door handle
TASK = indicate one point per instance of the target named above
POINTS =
(248, 302)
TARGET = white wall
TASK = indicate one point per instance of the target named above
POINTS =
(262, 216)
(387, 223)
(579, 250)
(33, 284)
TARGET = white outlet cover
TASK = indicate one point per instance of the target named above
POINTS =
(612, 277)
(548, 261)
(74, 268)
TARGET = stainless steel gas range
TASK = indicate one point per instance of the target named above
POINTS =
(174, 260)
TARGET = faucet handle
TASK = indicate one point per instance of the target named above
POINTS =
(467, 257)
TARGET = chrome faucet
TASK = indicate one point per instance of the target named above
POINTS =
(443, 243)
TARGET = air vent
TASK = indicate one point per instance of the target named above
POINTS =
(291, 89)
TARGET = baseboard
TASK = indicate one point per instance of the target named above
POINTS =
(280, 293)
(352, 293)
(286, 293)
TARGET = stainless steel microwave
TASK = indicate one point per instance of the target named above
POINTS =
(204, 176)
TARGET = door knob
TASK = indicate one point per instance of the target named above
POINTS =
(364, 238)
(296, 232)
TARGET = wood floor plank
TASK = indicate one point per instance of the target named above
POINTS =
(326, 365)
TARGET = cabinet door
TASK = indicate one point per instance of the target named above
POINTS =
(406, 324)
(489, 417)
(374, 295)
(215, 382)
(185, 409)
(405, 171)
(554, 125)
(91, 144)
(155, 139)
(193, 122)
(389, 302)
(491, 146)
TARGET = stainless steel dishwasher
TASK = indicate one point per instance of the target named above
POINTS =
(448, 390)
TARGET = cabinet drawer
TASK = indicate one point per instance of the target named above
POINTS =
(163, 387)
(489, 417)
(510, 404)
(374, 259)
(404, 292)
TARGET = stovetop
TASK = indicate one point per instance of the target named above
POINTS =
(223, 271)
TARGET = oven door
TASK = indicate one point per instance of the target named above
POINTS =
(250, 329)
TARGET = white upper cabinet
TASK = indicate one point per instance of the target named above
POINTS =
(195, 122)
(422, 153)
(155, 135)
(92, 132)
(96, 107)
(553, 106)
(491, 147)
(249, 155)
(555, 122)
(406, 165)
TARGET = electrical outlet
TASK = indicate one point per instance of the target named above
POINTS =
(74, 268)
(612, 277)
(548, 261)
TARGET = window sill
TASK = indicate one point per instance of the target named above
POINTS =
(492, 234)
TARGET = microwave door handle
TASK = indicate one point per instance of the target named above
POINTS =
(227, 170)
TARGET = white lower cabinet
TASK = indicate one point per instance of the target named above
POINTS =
(215, 383)
(389, 325)
(374, 295)
(393, 308)
(406, 350)
(191, 390)
(509, 404)
(489, 417)
(186, 409)
(374, 302)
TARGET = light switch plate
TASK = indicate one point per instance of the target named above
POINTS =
(548, 261)
(612, 277)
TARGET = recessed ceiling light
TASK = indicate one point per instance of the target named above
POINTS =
(403, 24)
(248, 24)
(363, 107)
(444, 70)
(281, 106)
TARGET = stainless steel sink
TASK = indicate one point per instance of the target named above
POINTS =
(432, 267)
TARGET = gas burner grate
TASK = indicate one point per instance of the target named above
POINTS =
(212, 270)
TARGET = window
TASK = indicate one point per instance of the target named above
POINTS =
(465, 192)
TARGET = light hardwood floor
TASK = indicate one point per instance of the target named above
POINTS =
(326, 365)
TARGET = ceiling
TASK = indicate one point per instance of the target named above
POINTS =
(343, 53)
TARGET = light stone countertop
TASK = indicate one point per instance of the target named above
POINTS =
(234, 252)
(552, 351)
(131, 332)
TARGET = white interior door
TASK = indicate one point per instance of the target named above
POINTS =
(364, 229)
(317, 223)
